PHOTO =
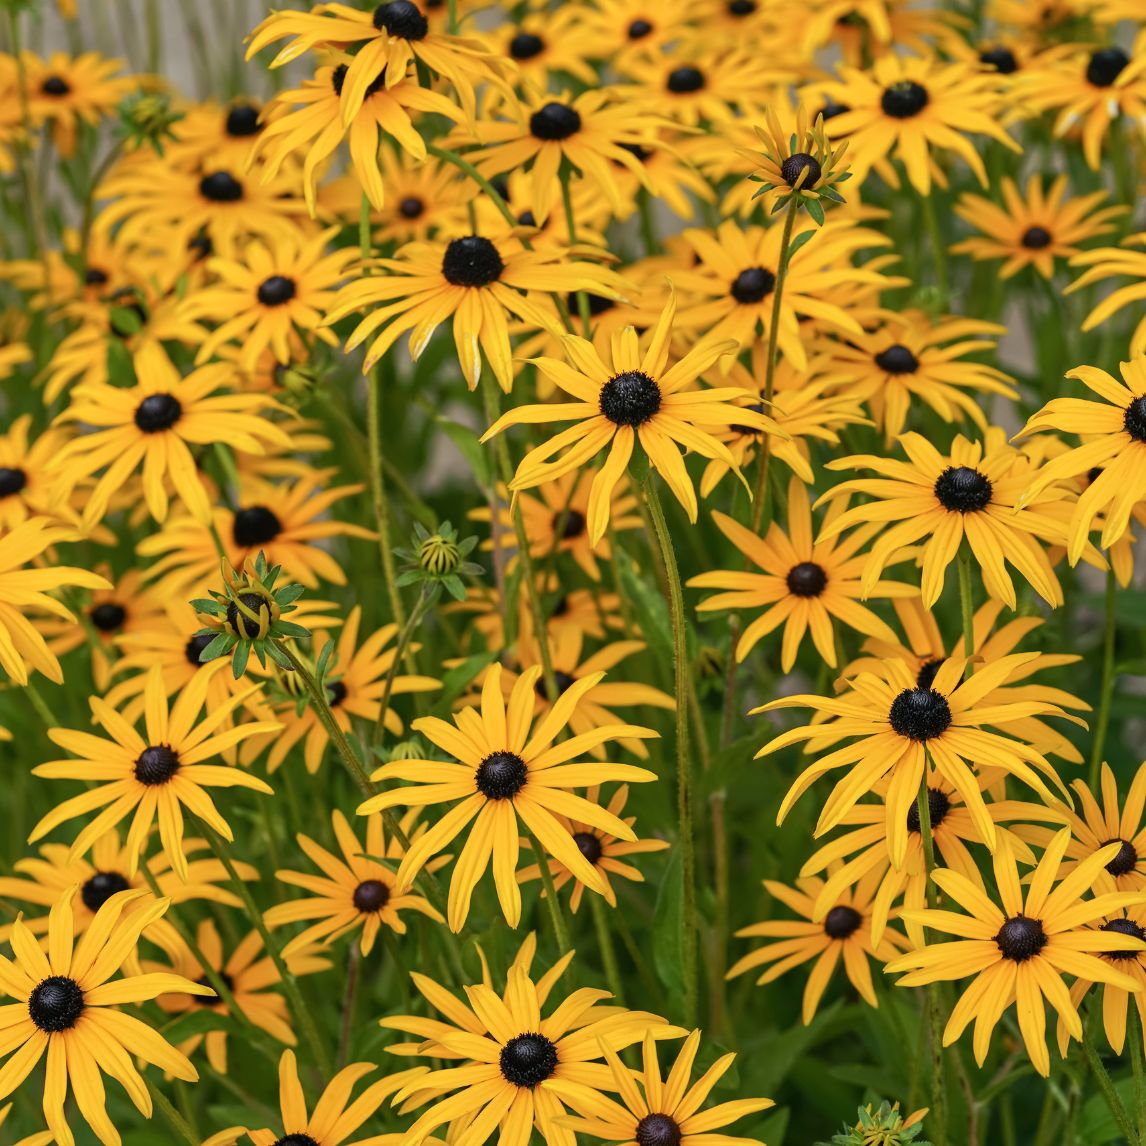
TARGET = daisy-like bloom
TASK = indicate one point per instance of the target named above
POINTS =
(591, 133)
(641, 27)
(1110, 262)
(730, 286)
(548, 44)
(978, 492)
(334, 1117)
(27, 486)
(309, 120)
(805, 583)
(153, 778)
(1018, 953)
(1114, 430)
(913, 356)
(1090, 90)
(355, 681)
(287, 522)
(474, 281)
(354, 892)
(66, 1006)
(506, 1060)
(214, 133)
(557, 520)
(248, 973)
(1035, 227)
(270, 296)
(624, 397)
(601, 848)
(1095, 826)
(24, 591)
(45, 878)
(67, 91)
(662, 1111)
(153, 425)
(394, 36)
(925, 651)
(843, 931)
(905, 105)
(509, 767)
(892, 723)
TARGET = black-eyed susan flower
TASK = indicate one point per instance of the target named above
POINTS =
(67, 91)
(1114, 433)
(356, 891)
(906, 105)
(249, 974)
(547, 44)
(1035, 227)
(804, 583)
(154, 778)
(153, 425)
(28, 488)
(978, 492)
(505, 1059)
(663, 1110)
(1019, 952)
(24, 591)
(640, 27)
(510, 768)
(843, 932)
(270, 297)
(891, 722)
(475, 282)
(601, 848)
(66, 1009)
(911, 357)
(624, 397)
(309, 121)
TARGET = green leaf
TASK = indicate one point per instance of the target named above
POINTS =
(816, 210)
(219, 645)
(652, 611)
(668, 928)
(455, 681)
(239, 660)
(799, 241)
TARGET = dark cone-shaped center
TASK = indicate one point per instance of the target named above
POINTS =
(589, 845)
(276, 291)
(752, 285)
(630, 399)
(1001, 59)
(904, 99)
(255, 525)
(598, 303)
(411, 207)
(962, 489)
(528, 1060)
(296, 1140)
(657, 1130)
(831, 109)
(562, 680)
(920, 714)
(681, 81)
(526, 46)
(108, 617)
(897, 359)
(55, 86)
(571, 524)
(1126, 859)
(336, 689)
(1036, 238)
(243, 120)
(56, 1004)
(807, 579)
(741, 7)
(99, 888)
(402, 19)
(1134, 420)
(194, 647)
(1124, 927)
(639, 29)
(221, 187)
(12, 481)
(1021, 938)
(158, 412)
(795, 165)
(215, 1000)
(371, 896)
(928, 671)
(841, 922)
(156, 765)
(938, 805)
(501, 775)
(94, 276)
(554, 121)
(471, 262)
(240, 623)
(1105, 66)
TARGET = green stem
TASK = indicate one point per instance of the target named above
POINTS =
(353, 958)
(938, 247)
(178, 1122)
(378, 494)
(1136, 1062)
(452, 17)
(966, 605)
(421, 607)
(608, 951)
(683, 762)
(298, 1003)
(556, 914)
(468, 169)
(1102, 721)
(1109, 1094)
(43, 709)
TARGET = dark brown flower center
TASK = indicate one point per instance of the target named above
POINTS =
(630, 398)
(589, 845)
(108, 617)
(193, 650)
(156, 765)
(938, 805)
(255, 525)
(56, 1004)
(795, 165)
(752, 285)
(100, 887)
(242, 625)
(1125, 860)
(243, 120)
(962, 489)
(554, 122)
(371, 896)
(1021, 938)
(1036, 238)
(1001, 59)
(471, 262)
(1124, 927)
(841, 922)
(920, 714)
(657, 1130)
(684, 80)
(501, 775)
(897, 359)
(1134, 420)
(526, 46)
(904, 99)
(276, 291)
(221, 187)
(158, 412)
(639, 29)
(55, 86)
(807, 579)
(528, 1060)
(401, 19)
(411, 207)
(1105, 66)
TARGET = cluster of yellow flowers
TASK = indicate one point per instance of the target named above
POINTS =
(668, 241)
